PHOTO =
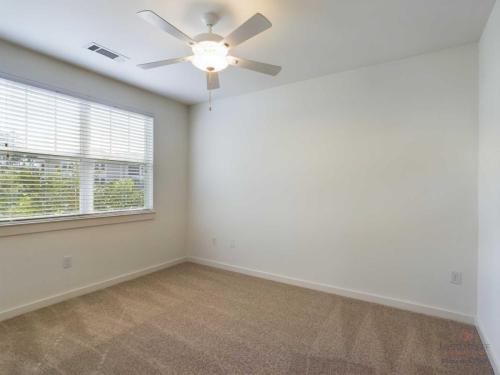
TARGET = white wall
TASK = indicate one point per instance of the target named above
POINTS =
(488, 316)
(363, 180)
(31, 265)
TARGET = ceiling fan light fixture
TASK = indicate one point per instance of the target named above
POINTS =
(210, 50)
(210, 56)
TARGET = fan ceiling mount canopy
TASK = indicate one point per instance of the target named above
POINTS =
(210, 50)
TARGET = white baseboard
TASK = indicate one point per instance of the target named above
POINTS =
(7, 314)
(369, 297)
(495, 362)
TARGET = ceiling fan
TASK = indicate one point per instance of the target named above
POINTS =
(210, 50)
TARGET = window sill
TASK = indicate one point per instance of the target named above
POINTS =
(14, 228)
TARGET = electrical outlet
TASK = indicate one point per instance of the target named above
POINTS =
(214, 241)
(67, 261)
(456, 278)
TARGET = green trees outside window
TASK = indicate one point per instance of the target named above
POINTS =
(36, 187)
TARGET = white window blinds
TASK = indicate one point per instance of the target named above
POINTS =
(61, 155)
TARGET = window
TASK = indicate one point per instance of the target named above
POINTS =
(64, 156)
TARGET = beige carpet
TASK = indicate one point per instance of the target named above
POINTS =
(192, 319)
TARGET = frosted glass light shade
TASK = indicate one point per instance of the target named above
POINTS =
(210, 56)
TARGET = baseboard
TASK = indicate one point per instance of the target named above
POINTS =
(369, 297)
(495, 362)
(44, 302)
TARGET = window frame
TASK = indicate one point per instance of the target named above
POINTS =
(79, 220)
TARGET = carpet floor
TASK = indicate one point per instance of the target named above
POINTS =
(192, 319)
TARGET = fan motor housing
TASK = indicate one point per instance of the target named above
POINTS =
(209, 37)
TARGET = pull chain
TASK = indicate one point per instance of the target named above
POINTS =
(210, 100)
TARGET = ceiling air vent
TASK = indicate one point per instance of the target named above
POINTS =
(94, 47)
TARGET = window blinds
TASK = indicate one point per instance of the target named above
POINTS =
(61, 155)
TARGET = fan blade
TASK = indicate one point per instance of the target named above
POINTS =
(155, 20)
(253, 26)
(254, 65)
(212, 81)
(157, 64)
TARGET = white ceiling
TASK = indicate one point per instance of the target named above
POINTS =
(309, 38)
